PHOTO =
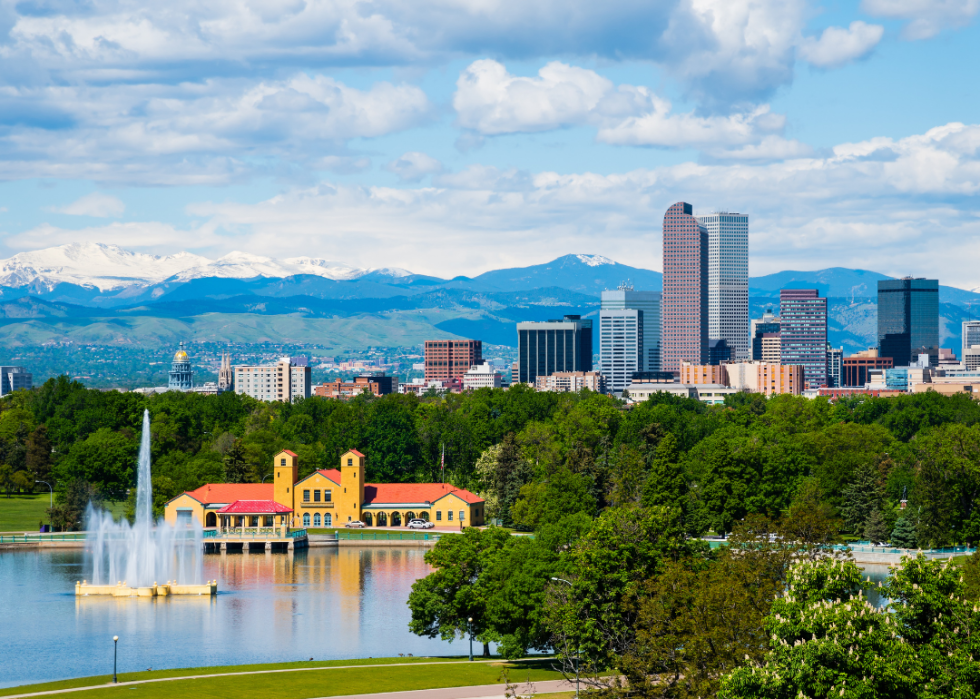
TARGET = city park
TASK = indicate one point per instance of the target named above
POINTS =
(145, 597)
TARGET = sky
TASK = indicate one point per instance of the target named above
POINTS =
(451, 137)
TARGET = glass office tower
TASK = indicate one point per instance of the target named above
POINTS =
(908, 320)
(554, 345)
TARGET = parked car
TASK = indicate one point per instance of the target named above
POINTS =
(355, 524)
(419, 524)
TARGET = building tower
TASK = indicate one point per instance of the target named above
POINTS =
(181, 374)
(226, 376)
(728, 280)
(684, 312)
(555, 345)
(970, 357)
(908, 320)
(765, 334)
(649, 303)
(448, 360)
(803, 333)
(620, 346)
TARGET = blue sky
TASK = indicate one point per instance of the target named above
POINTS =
(452, 137)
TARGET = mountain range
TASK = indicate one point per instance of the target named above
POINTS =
(92, 293)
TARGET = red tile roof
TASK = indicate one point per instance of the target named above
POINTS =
(291, 453)
(331, 473)
(385, 493)
(355, 451)
(224, 493)
(254, 507)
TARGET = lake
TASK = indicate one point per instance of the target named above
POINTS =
(321, 603)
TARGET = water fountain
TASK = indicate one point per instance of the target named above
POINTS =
(137, 556)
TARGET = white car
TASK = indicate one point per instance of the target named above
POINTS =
(355, 524)
(419, 524)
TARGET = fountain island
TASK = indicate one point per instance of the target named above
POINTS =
(137, 556)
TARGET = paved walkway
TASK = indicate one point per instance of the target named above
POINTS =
(470, 692)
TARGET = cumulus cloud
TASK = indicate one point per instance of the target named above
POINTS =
(907, 203)
(95, 204)
(200, 133)
(838, 46)
(491, 101)
(412, 167)
(926, 18)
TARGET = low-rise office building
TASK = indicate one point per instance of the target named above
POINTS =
(371, 384)
(15, 378)
(704, 373)
(282, 381)
(572, 382)
(482, 375)
(768, 378)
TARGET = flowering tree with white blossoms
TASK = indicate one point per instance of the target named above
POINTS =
(828, 640)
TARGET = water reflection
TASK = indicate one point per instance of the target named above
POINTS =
(320, 603)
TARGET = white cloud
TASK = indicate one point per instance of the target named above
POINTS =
(908, 204)
(412, 167)
(95, 204)
(491, 101)
(199, 133)
(838, 46)
(926, 18)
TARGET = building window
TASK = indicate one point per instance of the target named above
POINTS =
(316, 496)
(282, 462)
(306, 496)
(350, 462)
(449, 515)
(438, 515)
(327, 495)
(316, 520)
(306, 519)
(328, 520)
(462, 515)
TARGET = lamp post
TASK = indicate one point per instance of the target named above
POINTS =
(469, 623)
(115, 646)
(49, 488)
(579, 652)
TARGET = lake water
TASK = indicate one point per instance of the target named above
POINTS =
(322, 603)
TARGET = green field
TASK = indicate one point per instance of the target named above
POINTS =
(308, 679)
(22, 513)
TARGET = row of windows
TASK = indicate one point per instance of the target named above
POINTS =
(327, 520)
(316, 496)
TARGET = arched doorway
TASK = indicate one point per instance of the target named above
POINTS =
(396, 519)
(409, 516)
(424, 515)
(210, 520)
(367, 519)
(382, 519)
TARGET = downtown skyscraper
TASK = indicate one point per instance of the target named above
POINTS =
(803, 333)
(908, 320)
(728, 280)
(684, 309)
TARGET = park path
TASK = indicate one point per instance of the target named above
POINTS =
(486, 691)
(483, 691)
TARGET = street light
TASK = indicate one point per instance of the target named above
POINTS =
(115, 646)
(579, 652)
(469, 623)
(49, 488)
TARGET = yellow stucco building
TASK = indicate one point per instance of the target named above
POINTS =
(325, 498)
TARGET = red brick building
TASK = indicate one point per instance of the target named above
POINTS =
(451, 359)
(684, 309)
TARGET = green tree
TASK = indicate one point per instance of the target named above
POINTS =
(236, 466)
(904, 534)
(563, 493)
(666, 485)
(827, 639)
(864, 495)
(38, 456)
(69, 509)
(7, 478)
(876, 528)
(105, 458)
(443, 602)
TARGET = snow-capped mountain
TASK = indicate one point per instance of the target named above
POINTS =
(108, 267)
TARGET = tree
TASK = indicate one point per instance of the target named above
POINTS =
(810, 522)
(38, 457)
(444, 601)
(105, 458)
(7, 478)
(827, 639)
(563, 493)
(70, 506)
(666, 485)
(864, 495)
(236, 467)
(875, 528)
(904, 535)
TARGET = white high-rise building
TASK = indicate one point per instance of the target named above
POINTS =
(971, 335)
(728, 280)
(282, 381)
(649, 302)
(620, 346)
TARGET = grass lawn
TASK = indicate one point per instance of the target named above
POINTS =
(21, 513)
(322, 682)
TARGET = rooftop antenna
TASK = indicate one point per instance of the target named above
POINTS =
(625, 286)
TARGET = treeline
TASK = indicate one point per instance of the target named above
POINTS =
(636, 608)
(537, 457)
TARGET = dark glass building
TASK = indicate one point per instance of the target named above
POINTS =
(803, 333)
(718, 352)
(908, 320)
(554, 345)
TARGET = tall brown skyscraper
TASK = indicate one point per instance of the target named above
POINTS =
(450, 359)
(684, 313)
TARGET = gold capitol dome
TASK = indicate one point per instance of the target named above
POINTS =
(181, 355)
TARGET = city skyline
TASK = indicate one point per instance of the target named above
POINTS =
(488, 133)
